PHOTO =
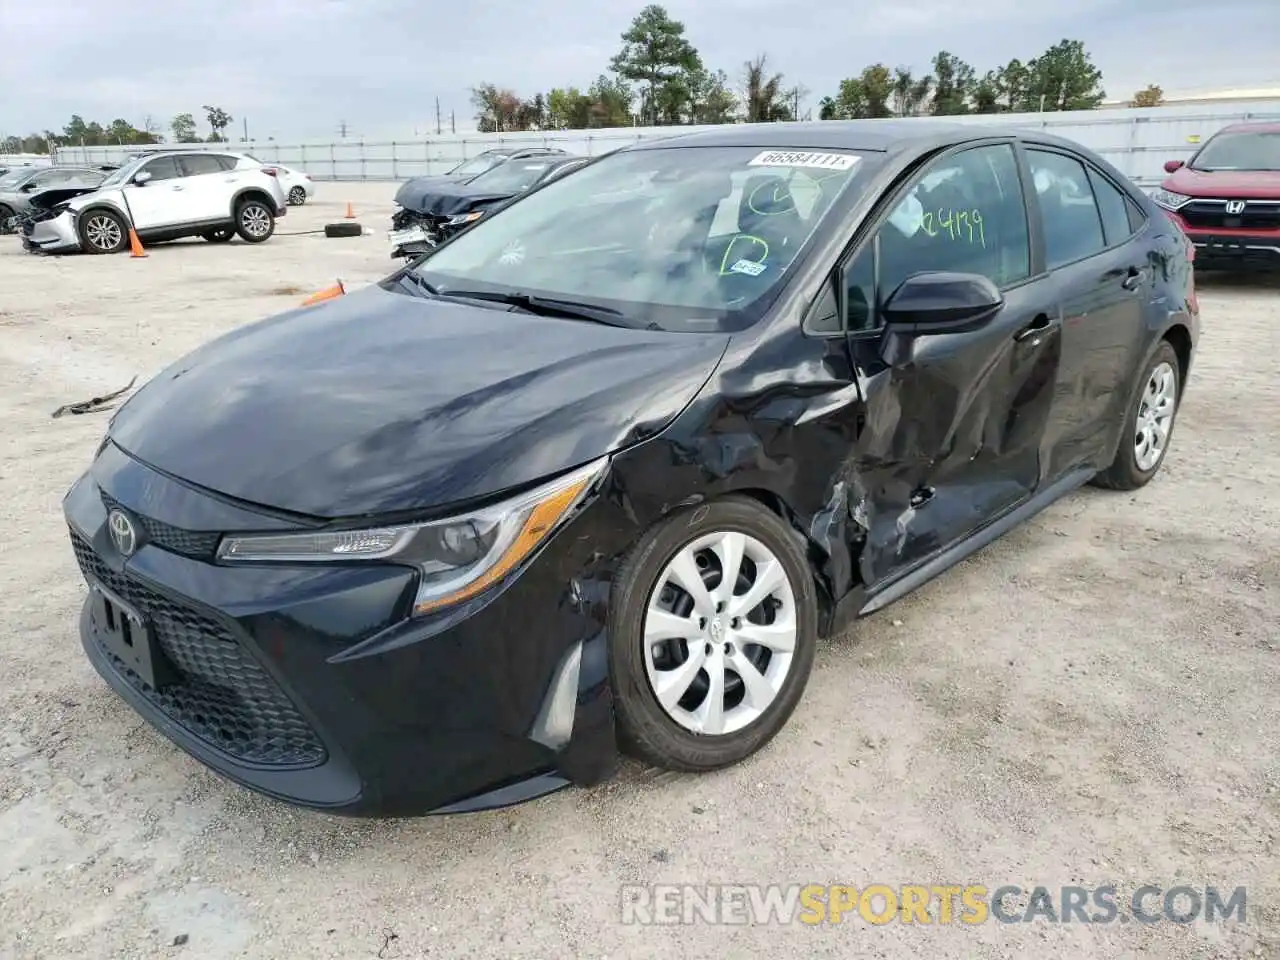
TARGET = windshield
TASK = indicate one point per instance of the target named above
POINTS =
(124, 173)
(15, 178)
(513, 176)
(478, 164)
(687, 238)
(1240, 151)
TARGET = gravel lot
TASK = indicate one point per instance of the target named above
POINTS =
(1090, 700)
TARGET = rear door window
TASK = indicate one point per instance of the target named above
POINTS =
(1113, 208)
(200, 164)
(1068, 209)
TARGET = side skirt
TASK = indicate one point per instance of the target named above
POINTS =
(917, 576)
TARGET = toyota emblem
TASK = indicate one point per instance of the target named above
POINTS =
(123, 534)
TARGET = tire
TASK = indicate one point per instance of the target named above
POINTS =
(1133, 466)
(678, 738)
(297, 196)
(255, 221)
(5, 215)
(103, 231)
(344, 229)
(221, 235)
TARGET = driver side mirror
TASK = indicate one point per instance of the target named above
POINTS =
(932, 303)
(141, 177)
(1173, 166)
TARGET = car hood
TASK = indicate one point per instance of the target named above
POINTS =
(1225, 184)
(379, 402)
(450, 199)
(411, 191)
(47, 199)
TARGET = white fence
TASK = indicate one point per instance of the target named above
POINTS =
(24, 160)
(1137, 141)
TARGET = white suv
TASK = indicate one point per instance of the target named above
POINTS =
(206, 193)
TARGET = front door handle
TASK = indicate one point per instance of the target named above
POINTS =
(1132, 279)
(176, 187)
(1032, 331)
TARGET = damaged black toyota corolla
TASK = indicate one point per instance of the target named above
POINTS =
(602, 469)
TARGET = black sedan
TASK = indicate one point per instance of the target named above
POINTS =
(602, 469)
(432, 215)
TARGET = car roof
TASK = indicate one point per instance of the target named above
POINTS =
(1251, 128)
(877, 136)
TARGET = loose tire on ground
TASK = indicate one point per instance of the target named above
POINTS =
(1154, 408)
(643, 610)
(255, 221)
(346, 228)
(103, 231)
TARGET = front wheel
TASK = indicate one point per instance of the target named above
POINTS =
(255, 221)
(221, 235)
(713, 626)
(102, 231)
(1148, 426)
(6, 214)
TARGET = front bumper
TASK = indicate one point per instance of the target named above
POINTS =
(309, 685)
(1224, 251)
(57, 234)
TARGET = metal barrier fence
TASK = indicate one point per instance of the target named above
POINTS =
(1137, 141)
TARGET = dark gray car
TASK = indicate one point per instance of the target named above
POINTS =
(18, 186)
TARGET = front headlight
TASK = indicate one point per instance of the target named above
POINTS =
(458, 557)
(1168, 199)
(465, 218)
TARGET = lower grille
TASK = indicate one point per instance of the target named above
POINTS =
(222, 695)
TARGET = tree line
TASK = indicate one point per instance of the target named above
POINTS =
(77, 133)
(659, 78)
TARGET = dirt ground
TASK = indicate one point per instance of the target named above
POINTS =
(1091, 700)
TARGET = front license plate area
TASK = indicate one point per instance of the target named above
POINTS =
(124, 632)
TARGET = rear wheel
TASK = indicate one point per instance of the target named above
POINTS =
(102, 231)
(297, 196)
(1148, 426)
(6, 214)
(713, 630)
(221, 235)
(255, 221)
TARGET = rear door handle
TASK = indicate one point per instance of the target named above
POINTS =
(1033, 331)
(176, 187)
(1132, 279)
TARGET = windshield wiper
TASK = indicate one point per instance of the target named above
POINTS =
(546, 306)
(420, 282)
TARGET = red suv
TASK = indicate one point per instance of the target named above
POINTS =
(1227, 197)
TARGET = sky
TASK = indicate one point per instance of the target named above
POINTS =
(297, 69)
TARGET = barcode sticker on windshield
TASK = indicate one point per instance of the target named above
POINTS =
(791, 158)
(750, 267)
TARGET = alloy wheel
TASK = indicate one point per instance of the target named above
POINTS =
(103, 232)
(1155, 417)
(255, 220)
(297, 195)
(720, 633)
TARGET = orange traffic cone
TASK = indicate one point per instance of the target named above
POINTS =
(328, 293)
(351, 213)
(135, 245)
